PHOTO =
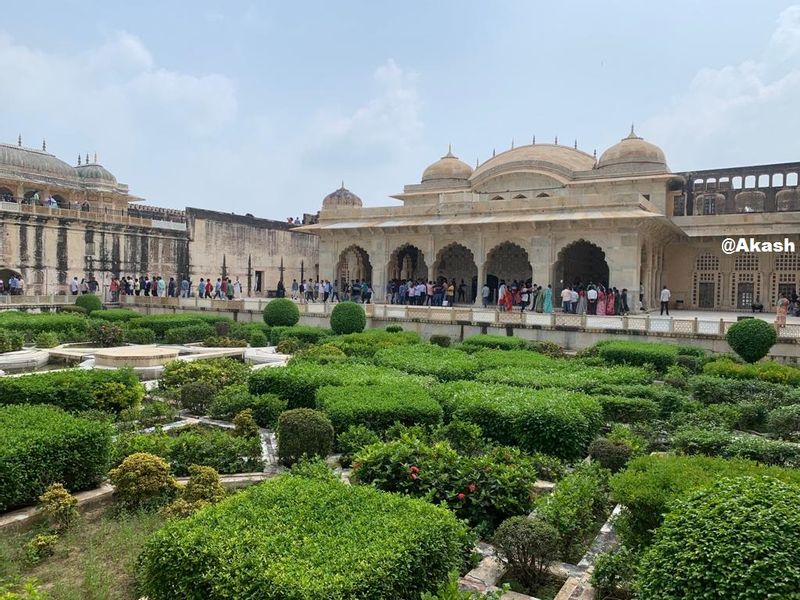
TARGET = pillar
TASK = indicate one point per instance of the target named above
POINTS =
(481, 280)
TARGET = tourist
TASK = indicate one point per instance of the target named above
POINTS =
(462, 291)
(295, 289)
(237, 288)
(20, 286)
(624, 308)
(485, 293)
(230, 293)
(162, 286)
(335, 291)
(611, 301)
(279, 293)
(321, 291)
(573, 300)
(524, 297)
(185, 287)
(171, 287)
(309, 289)
(591, 300)
(566, 299)
(201, 288)
(548, 299)
(366, 292)
(641, 296)
(450, 293)
(581, 307)
(84, 286)
(218, 289)
(74, 286)
(209, 287)
(429, 293)
(781, 311)
(665, 296)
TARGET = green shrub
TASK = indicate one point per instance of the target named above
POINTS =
(59, 507)
(690, 363)
(574, 507)
(142, 481)
(363, 544)
(105, 334)
(555, 422)
(484, 489)
(204, 485)
(258, 339)
(725, 416)
(313, 468)
(89, 302)
(609, 454)
(709, 390)
(235, 398)
(676, 377)
(572, 376)
(189, 333)
(72, 309)
(216, 372)
(619, 409)
(522, 359)
(303, 432)
(528, 546)
(634, 440)
(245, 424)
(440, 340)
(465, 438)
(394, 328)
(305, 335)
(45, 339)
(614, 573)
(751, 338)
(348, 317)
(785, 421)
(367, 343)
(650, 485)
(288, 345)
(445, 364)
(150, 413)
(139, 335)
(639, 354)
(196, 397)
(767, 370)
(281, 311)
(497, 342)
(115, 314)
(718, 442)
(324, 354)
(75, 389)
(216, 341)
(737, 539)
(30, 324)
(354, 439)
(378, 406)
(547, 348)
(299, 382)
(243, 331)
(11, 341)
(160, 324)
(39, 547)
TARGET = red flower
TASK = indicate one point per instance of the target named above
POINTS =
(461, 497)
(414, 476)
(471, 488)
(414, 469)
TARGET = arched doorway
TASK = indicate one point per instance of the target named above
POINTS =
(581, 263)
(507, 262)
(5, 275)
(62, 202)
(407, 262)
(455, 261)
(353, 265)
(6, 195)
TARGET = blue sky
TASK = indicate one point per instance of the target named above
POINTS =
(265, 107)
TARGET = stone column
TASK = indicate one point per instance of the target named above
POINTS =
(481, 280)
(623, 263)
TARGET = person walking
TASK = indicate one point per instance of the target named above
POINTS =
(665, 296)
(73, 286)
(295, 289)
(485, 293)
(780, 313)
(185, 287)
(237, 288)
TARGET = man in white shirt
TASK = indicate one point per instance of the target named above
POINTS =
(591, 300)
(73, 286)
(573, 301)
(665, 296)
(566, 299)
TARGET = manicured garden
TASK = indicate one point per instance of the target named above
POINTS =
(443, 444)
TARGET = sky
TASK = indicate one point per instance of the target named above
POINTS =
(266, 107)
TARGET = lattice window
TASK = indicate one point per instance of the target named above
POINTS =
(707, 262)
(709, 205)
(787, 262)
(746, 262)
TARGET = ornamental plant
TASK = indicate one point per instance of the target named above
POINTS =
(143, 481)
(46, 339)
(233, 399)
(348, 317)
(89, 302)
(281, 311)
(11, 341)
(446, 364)
(245, 424)
(59, 507)
(216, 372)
(303, 432)
(106, 334)
(528, 546)
(751, 339)
(740, 539)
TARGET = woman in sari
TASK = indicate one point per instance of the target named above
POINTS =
(601, 301)
(611, 300)
(538, 305)
(582, 304)
(548, 299)
(782, 309)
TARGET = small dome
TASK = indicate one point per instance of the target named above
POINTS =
(37, 161)
(788, 199)
(96, 172)
(447, 167)
(633, 155)
(341, 198)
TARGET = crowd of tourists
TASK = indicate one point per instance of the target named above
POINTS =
(421, 293)
(14, 287)
(323, 290)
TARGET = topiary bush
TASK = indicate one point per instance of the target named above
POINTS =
(258, 339)
(611, 455)
(196, 396)
(547, 348)
(189, 333)
(767, 370)
(394, 328)
(528, 546)
(638, 354)
(497, 342)
(306, 335)
(204, 485)
(139, 335)
(738, 539)
(712, 390)
(106, 334)
(142, 481)
(354, 439)
(223, 342)
(236, 398)
(348, 317)
(89, 302)
(245, 424)
(288, 345)
(45, 339)
(751, 339)
(718, 442)
(30, 324)
(440, 340)
(622, 409)
(216, 372)
(303, 432)
(281, 311)
(323, 355)
(446, 364)
(614, 573)
(365, 544)
(115, 314)
(11, 341)
(785, 421)
(367, 343)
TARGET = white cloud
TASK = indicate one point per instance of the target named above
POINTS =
(741, 113)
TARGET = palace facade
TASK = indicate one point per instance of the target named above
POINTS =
(59, 221)
(554, 214)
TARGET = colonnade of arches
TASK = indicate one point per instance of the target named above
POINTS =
(578, 263)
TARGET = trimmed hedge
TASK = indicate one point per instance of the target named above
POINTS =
(751, 338)
(305, 538)
(348, 317)
(89, 302)
(497, 342)
(110, 390)
(189, 333)
(298, 382)
(216, 372)
(41, 445)
(650, 485)
(235, 398)
(718, 442)
(303, 432)
(378, 406)
(160, 324)
(281, 311)
(446, 364)
(620, 409)
(115, 314)
(64, 324)
(713, 390)
(638, 354)
(738, 539)
(11, 341)
(555, 422)
(573, 376)
(765, 371)
(367, 343)
(139, 335)
(495, 359)
(306, 334)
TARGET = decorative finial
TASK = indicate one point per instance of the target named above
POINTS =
(44, 145)
(449, 148)
(19, 140)
(87, 158)
(512, 143)
(534, 139)
(594, 153)
(633, 133)
(477, 162)
(556, 142)
(95, 157)
(575, 145)
(79, 160)
(493, 153)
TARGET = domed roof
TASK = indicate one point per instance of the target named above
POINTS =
(633, 154)
(549, 157)
(447, 167)
(96, 172)
(36, 161)
(341, 198)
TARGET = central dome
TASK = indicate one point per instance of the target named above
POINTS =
(341, 198)
(563, 160)
(37, 161)
(447, 167)
(633, 154)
